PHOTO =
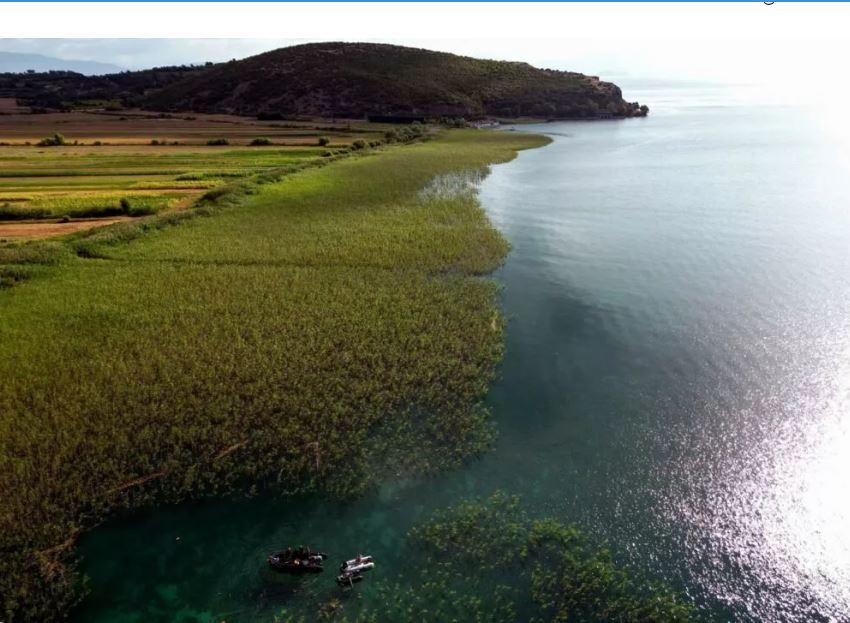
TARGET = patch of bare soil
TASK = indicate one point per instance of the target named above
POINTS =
(50, 229)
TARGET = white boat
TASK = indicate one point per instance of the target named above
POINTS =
(357, 565)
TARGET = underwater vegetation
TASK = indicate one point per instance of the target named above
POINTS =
(488, 560)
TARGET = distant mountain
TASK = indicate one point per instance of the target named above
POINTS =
(352, 80)
(358, 79)
(13, 62)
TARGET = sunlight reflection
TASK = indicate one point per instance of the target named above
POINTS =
(793, 509)
(812, 502)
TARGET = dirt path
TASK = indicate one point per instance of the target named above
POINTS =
(49, 229)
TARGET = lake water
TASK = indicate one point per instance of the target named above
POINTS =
(676, 381)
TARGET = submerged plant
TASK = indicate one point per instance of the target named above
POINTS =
(486, 560)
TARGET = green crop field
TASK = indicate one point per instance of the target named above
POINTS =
(90, 182)
(289, 323)
(100, 160)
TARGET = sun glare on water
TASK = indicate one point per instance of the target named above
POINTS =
(812, 505)
(779, 512)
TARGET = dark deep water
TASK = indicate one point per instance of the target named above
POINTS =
(676, 381)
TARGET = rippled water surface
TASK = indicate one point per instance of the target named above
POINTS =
(677, 380)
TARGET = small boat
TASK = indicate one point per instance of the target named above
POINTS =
(351, 571)
(347, 579)
(357, 565)
(301, 560)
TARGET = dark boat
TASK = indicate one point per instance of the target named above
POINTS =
(301, 560)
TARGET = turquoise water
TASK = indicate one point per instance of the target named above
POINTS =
(676, 381)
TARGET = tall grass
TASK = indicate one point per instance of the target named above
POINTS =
(292, 339)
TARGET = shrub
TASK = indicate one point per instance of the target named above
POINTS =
(324, 141)
(11, 275)
(260, 142)
(52, 141)
(214, 142)
(359, 144)
(154, 142)
(215, 194)
(140, 205)
(190, 177)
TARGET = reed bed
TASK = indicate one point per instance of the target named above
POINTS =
(302, 334)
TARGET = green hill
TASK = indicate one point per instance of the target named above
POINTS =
(359, 79)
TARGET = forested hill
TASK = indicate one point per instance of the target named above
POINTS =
(361, 79)
(62, 90)
(357, 79)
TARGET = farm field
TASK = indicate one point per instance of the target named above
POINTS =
(137, 164)
(279, 334)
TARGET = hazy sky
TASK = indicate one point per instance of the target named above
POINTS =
(701, 59)
(798, 50)
(142, 53)
(738, 42)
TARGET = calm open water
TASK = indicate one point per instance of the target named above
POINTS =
(677, 381)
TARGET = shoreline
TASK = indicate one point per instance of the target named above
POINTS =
(397, 592)
(478, 251)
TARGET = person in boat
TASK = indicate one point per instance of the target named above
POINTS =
(288, 554)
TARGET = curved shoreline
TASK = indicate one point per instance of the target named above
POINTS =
(130, 274)
(405, 523)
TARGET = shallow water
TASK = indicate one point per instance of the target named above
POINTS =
(677, 381)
